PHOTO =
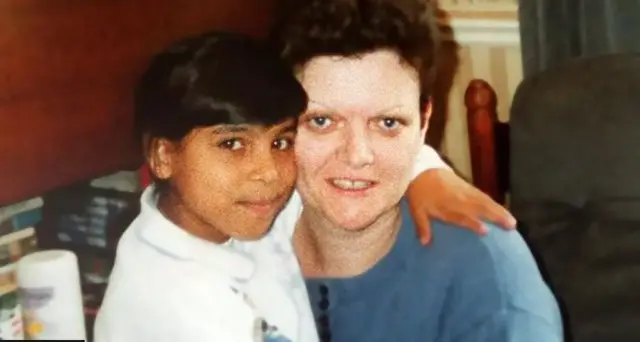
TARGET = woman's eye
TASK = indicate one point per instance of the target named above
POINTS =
(283, 143)
(231, 144)
(320, 122)
(389, 124)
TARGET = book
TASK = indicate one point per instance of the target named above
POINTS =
(13, 246)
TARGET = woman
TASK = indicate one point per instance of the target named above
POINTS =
(367, 67)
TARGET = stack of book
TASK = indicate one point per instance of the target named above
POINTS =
(17, 239)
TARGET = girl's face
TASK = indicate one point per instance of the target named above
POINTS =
(227, 180)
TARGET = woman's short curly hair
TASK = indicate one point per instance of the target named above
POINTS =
(305, 29)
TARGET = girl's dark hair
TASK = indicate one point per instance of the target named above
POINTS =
(305, 29)
(215, 78)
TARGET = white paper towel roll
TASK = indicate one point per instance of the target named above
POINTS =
(51, 295)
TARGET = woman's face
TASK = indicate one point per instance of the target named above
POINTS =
(357, 142)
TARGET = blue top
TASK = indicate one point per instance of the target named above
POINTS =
(461, 288)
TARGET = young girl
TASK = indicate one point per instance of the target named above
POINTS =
(217, 114)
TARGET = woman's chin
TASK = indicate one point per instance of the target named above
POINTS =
(353, 223)
(355, 217)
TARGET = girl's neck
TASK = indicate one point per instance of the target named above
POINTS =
(326, 250)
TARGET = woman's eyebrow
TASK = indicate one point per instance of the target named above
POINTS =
(396, 109)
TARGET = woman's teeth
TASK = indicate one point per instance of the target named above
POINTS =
(351, 184)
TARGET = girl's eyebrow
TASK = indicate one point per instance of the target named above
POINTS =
(222, 129)
(290, 128)
(244, 128)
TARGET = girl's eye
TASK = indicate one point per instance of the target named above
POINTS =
(283, 143)
(320, 122)
(389, 124)
(231, 144)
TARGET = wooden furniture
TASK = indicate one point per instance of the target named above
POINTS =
(488, 141)
(67, 70)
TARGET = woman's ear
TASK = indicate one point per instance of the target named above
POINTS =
(160, 155)
(424, 118)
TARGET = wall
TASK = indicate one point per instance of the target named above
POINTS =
(488, 37)
(67, 70)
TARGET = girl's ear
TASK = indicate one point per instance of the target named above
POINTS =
(160, 155)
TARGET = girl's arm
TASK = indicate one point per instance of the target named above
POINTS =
(438, 192)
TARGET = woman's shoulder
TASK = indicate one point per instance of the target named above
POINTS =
(501, 258)
(493, 277)
(496, 244)
(499, 263)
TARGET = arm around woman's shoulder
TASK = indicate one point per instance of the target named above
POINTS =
(499, 294)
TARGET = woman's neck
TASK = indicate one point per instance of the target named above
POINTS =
(326, 250)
